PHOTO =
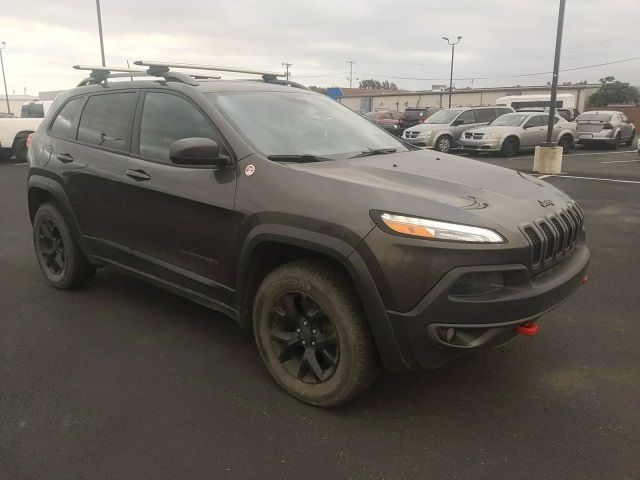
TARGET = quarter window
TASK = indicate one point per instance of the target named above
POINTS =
(106, 120)
(167, 118)
(65, 120)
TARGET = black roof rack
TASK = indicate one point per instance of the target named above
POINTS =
(100, 74)
(162, 69)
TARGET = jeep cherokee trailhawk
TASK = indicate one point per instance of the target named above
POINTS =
(343, 248)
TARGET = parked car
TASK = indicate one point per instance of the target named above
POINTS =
(569, 114)
(518, 131)
(605, 127)
(343, 251)
(13, 136)
(442, 130)
(415, 116)
(387, 119)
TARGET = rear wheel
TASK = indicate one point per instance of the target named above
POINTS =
(510, 147)
(444, 144)
(566, 142)
(59, 256)
(20, 149)
(312, 334)
(630, 141)
(616, 141)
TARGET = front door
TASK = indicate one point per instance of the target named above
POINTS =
(535, 131)
(181, 221)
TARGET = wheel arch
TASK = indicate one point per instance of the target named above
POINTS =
(19, 136)
(269, 246)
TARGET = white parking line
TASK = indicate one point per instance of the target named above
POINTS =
(592, 178)
(582, 154)
(621, 161)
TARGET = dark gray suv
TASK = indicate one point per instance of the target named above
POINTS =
(344, 249)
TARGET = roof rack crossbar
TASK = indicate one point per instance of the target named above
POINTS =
(100, 74)
(215, 68)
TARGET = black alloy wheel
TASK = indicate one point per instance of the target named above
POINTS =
(304, 338)
(51, 248)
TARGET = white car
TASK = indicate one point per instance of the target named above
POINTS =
(13, 136)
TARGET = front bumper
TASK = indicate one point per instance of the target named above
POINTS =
(442, 327)
(481, 145)
(420, 141)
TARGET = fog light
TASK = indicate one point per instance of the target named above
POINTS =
(477, 283)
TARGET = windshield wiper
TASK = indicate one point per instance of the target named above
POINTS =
(302, 158)
(375, 151)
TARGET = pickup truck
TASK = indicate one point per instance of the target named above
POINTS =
(13, 136)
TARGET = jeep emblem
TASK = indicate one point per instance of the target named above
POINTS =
(545, 203)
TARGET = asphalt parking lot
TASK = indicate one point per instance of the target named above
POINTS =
(123, 380)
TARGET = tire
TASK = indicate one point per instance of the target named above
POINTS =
(566, 142)
(20, 149)
(58, 254)
(629, 142)
(510, 147)
(444, 144)
(299, 306)
(616, 141)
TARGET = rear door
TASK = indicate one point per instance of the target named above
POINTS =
(180, 220)
(89, 155)
(464, 121)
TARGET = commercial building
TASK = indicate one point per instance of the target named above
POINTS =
(363, 101)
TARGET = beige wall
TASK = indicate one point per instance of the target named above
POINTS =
(459, 98)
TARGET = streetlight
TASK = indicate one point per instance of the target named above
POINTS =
(4, 79)
(453, 48)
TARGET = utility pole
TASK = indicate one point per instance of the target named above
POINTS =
(350, 73)
(4, 78)
(100, 32)
(453, 49)
(556, 68)
(287, 65)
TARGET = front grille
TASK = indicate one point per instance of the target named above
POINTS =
(554, 236)
(408, 134)
(474, 135)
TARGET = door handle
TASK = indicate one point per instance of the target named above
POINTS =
(138, 175)
(64, 157)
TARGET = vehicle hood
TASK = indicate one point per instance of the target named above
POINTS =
(440, 186)
(436, 127)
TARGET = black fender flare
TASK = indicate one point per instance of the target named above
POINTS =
(356, 268)
(56, 190)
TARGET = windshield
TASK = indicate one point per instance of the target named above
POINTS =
(292, 123)
(601, 117)
(509, 120)
(443, 116)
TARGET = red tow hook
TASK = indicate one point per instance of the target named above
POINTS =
(528, 330)
(586, 279)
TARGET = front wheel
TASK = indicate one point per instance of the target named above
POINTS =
(444, 144)
(510, 147)
(312, 334)
(59, 256)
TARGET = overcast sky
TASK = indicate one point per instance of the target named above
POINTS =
(385, 38)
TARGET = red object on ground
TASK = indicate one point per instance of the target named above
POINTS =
(586, 279)
(528, 330)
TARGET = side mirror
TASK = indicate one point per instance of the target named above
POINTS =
(457, 122)
(197, 151)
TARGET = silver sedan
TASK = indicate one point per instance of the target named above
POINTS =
(514, 132)
(605, 127)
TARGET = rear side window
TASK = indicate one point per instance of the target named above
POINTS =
(486, 115)
(61, 126)
(167, 118)
(106, 120)
(503, 111)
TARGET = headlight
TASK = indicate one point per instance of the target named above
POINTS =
(493, 135)
(428, 133)
(421, 227)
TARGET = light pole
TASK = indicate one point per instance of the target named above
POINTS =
(4, 78)
(554, 81)
(287, 66)
(100, 32)
(453, 49)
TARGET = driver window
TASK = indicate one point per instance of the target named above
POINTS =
(467, 117)
(534, 121)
